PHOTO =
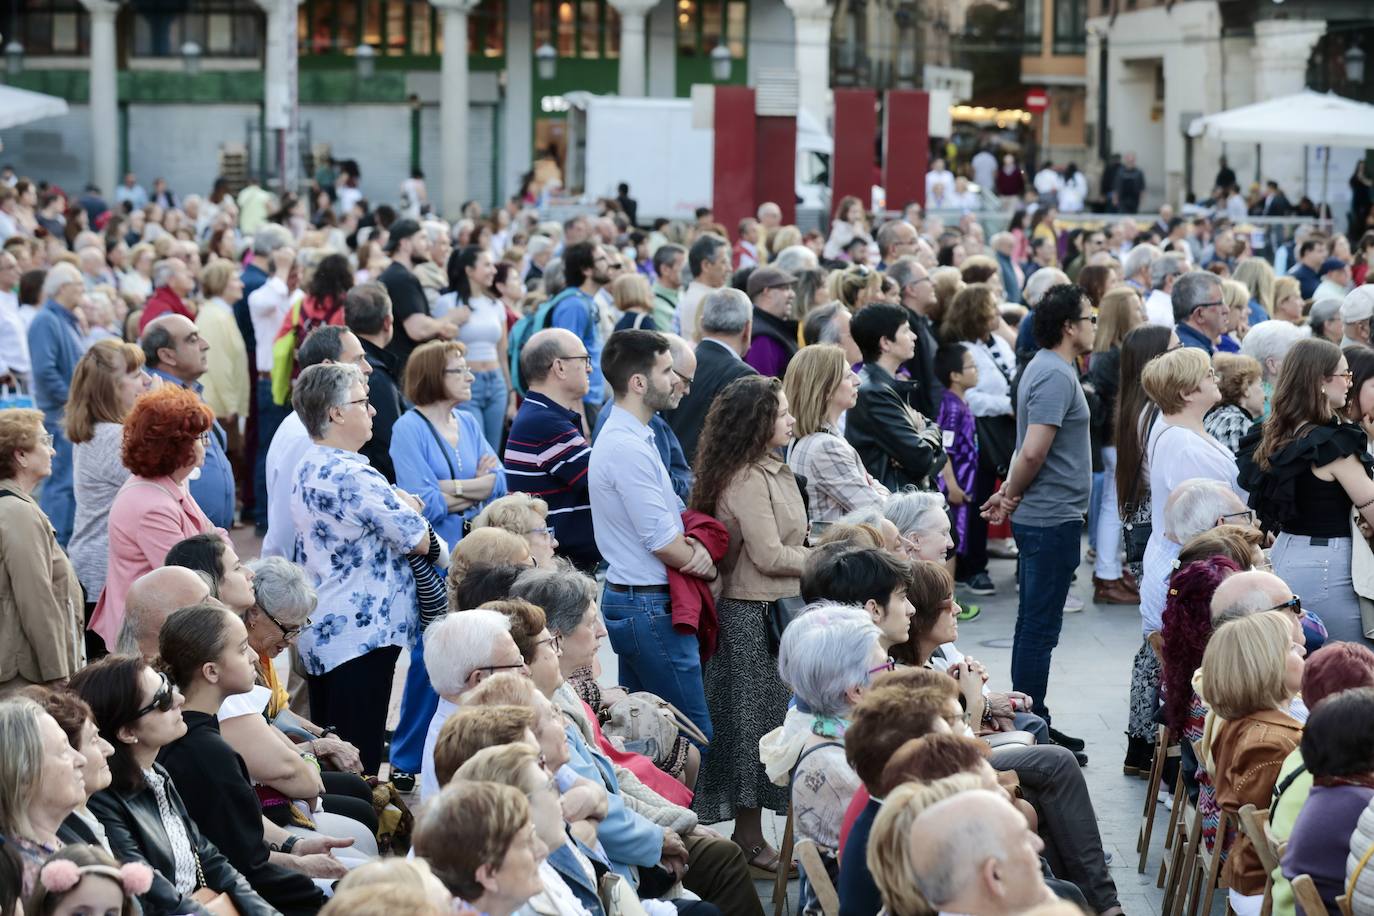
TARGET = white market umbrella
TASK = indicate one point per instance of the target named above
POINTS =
(20, 106)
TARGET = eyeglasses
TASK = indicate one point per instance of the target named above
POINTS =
(889, 665)
(555, 642)
(686, 379)
(1238, 518)
(963, 718)
(1293, 605)
(546, 531)
(45, 440)
(286, 632)
(584, 356)
(463, 371)
(346, 404)
(204, 438)
(1348, 375)
(1208, 305)
(1092, 318)
(519, 666)
(162, 700)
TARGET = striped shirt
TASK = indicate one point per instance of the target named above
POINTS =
(547, 456)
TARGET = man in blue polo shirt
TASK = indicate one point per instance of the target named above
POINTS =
(1199, 310)
(176, 353)
(637, 519)
(584, 266)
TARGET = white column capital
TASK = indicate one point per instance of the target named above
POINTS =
(1288, 37)
(101, 8)
(811, 10)
(633, 8)
(455, 6)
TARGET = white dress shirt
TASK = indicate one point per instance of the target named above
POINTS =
(1159, 308)
(268, 305)
(14, 338)
(289, 443)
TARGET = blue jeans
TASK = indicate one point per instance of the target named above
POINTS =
(58, 498)
(488, 405)
(270, 415)
(1048, 558)
(418, 703)
(1094, 508)
(653, 655)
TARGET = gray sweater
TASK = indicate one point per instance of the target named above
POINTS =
(98, 473)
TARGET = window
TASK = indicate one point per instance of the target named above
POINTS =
(702, 25)
(1033, 27)
(1070, 24)
(48, 27)
(586, 29)
(395, 28)
(222, 28)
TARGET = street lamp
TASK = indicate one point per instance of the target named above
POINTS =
(365, 59)
(720, 63)
(14, 58)
(1354, 64)
(190, 57)
(546, 61)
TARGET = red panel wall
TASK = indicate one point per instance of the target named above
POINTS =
(906, 147)
(856, 129)
(736, 158)
(776, 173)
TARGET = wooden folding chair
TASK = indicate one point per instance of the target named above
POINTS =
(1202, 872)
(784, 868)
(1152, 786)
(1305, 893)
(1185, 828)
(1255, 823)
(813, 865)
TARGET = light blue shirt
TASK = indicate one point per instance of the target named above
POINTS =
(213, 490)
(580, 313)
(634, 508)
(352, 537)
(289, 443)
(422, 458)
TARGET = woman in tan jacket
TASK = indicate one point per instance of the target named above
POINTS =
(1252, 669)
(40, 598)
(742, 481)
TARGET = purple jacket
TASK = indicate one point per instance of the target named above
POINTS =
(1320, 840)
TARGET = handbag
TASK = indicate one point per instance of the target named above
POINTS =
(996, 442)
(216, 903)
(780, 613)
(617, 897)
(1135, 532)
(15, 396)
(650, 725)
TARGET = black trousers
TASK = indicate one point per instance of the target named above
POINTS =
(973, 553)
(353, 698)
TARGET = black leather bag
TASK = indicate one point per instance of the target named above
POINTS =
(781, 613)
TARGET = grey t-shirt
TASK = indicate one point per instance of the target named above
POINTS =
(1050, 394)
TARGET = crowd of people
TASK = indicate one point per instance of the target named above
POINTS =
(768, 467)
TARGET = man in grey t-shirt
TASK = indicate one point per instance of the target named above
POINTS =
(1047, 487)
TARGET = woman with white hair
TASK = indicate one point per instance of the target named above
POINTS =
(356, 532)
(827, 657)
(1269, 342)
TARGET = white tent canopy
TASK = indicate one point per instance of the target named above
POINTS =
(1304, 119)
(20, 106)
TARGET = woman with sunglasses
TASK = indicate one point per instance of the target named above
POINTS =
(1306, 469)
(138, 711)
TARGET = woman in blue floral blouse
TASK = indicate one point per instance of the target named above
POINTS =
(353, 532)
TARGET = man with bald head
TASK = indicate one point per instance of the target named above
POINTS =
(548, 449)
(176, 353)
(1251, 592)
(975, 854)
(153, 598)
(669, 446)
(770, 218)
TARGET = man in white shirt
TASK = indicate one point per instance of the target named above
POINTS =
(268, 306)
(1047, 184)
(329, 344)
(1159, 307)
(14, 336)
(939, 185)
(709, 261)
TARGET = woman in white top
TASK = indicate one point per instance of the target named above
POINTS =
(481, 318)
(1074, 190)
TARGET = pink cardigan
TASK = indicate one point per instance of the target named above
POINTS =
(148, 517)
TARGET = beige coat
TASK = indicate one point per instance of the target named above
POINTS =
(762, 509)
(40, 598)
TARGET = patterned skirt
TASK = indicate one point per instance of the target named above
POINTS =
(1145, 676)
(746, 699)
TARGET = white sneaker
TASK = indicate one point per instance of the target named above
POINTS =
(1073, 604)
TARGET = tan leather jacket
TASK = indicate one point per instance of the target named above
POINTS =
(763, 510)
(40, 598)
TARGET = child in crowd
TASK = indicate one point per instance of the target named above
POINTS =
(86, 879)
(956, 370)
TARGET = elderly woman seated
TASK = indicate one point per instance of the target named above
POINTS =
(526, 516)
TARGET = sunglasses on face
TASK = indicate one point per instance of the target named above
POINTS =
(1292, 605)
(162, 699)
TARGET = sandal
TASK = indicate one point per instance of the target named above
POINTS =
(763, 863)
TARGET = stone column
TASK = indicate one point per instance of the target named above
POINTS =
(518, 117)
(813, 18)
(104, 98)
(632, 69)
(453, 103)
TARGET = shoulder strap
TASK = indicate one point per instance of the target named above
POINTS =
(807, 753)
(639, 320)
(4, 493)
(1288, 781)
(438, 440)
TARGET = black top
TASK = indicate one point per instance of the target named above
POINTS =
(384, 394)
(717, 366)
(882, 428)
(407, 298)
(213, 781)
(1289, 497)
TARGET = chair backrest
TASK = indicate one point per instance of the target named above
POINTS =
(813, 863)
(1255, 823)
(1305, 893)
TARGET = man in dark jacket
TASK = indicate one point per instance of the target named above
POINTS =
(916, 294)
(367, 312)
(726, 328)
(898, 445)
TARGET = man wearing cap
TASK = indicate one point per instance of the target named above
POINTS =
(1356, 311)
(775, 335)
(1335, 283)
(1311, 255)
(408, 246)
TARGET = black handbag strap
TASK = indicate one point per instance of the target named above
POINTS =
(453, 473)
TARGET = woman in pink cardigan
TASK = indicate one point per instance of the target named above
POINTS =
(164, 444)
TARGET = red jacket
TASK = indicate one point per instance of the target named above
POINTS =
(694, 607)
(163, 302)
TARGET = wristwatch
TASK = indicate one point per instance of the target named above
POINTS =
(290, 844)
(458, 488)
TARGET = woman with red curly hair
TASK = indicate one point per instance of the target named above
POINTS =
(165, 437)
